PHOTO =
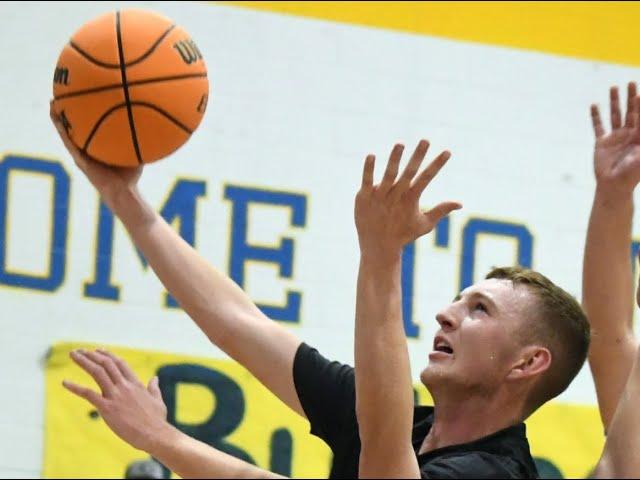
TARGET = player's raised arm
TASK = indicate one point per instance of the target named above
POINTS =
(621, 457)
(621, 454)
(607, 286)
(387, 218)
(220, 308)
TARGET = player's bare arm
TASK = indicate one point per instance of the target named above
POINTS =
(137, 414)
(218, 306)
(388, 217)
(607, 274)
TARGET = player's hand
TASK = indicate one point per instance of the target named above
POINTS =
(388, 215)
(617, 153)
(109, 181)
(134, 412)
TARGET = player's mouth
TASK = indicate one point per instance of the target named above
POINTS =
(441, 349)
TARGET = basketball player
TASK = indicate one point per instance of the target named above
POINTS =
(506, 346)
(608, 285)
(386, 450)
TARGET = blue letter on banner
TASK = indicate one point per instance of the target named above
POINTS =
(180, 206)
(477, 226)
(242, 251)
(408, 268)
(60, 208)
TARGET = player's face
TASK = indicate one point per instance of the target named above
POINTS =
(479, 337)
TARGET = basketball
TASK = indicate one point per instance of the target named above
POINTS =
(130, 87)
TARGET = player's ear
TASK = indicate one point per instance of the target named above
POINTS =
(533, 361)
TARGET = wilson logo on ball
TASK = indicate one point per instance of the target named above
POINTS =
(188, 51)
(61, 76)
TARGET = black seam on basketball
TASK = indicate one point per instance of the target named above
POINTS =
(162, 112)
(133, 62)
(171, 78)
(152, 48)
(91, 59)
(96, 126)
(125, 87)
(88, 91)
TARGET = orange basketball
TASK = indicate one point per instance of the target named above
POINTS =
(131, 87)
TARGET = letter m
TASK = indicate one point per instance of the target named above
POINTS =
(178, 210)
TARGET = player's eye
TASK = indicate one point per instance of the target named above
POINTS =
(480, 306)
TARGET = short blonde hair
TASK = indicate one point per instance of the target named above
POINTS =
(560, 325)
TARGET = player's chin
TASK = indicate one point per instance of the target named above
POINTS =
(434, 373)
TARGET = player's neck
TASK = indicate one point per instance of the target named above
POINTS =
(458, 421)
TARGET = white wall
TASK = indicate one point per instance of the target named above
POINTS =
(296, 105)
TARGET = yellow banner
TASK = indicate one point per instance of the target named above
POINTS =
(217, 401)
(220, 403)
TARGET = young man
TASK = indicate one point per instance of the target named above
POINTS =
(608, 284)
(506, 345)
(494, 362)
(607, 291)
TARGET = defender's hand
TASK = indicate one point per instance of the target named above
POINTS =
(617, 153)
(134, 412)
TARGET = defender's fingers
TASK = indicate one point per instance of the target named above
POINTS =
(391, 171)
(631, 105)
(416, 160)
(614, 103)
(124, 368)
(94, 398)
(634, 121)
(596, 121)
(367, 172)
(430, 172)
(440, 211)
(108, 364)
(97, 372)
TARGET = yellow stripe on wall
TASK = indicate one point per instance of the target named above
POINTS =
(604, 31)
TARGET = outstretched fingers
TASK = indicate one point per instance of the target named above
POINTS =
(107, 363)
(632, 111)
(367, 172)
(97, 372)
(631, 114)
(124, 369)
(635, 122)
(428, 174)
(391, 171)
(94, 398)
(614, 102)
(437, 213)
(596, 121)
(411, 169)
